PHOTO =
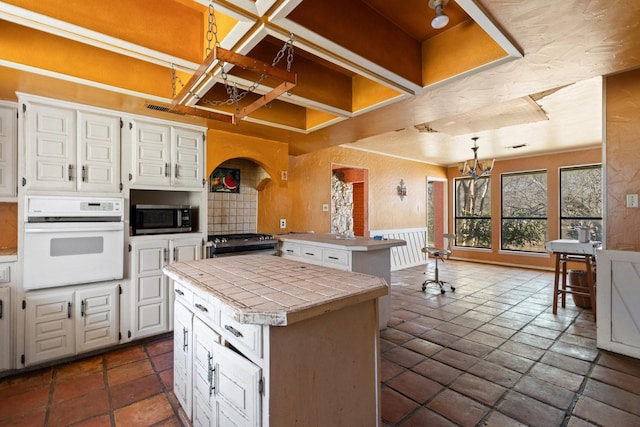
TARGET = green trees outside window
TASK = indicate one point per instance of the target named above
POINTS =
(524, 211)
(473, 212)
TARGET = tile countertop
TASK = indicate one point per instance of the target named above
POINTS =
(270, 290)
(573, 247)
(8, 254)
(336, 241)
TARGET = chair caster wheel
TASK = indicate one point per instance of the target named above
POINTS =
(423, 288)
(453, 289)
(442, 291)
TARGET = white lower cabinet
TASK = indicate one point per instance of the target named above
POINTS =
(152, 302)
(68, 321)
(215, 384)
(5, 328)
(182, 355)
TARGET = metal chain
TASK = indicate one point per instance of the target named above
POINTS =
(212, 31)
(232, 90)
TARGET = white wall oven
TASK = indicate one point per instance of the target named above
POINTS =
(72, 240)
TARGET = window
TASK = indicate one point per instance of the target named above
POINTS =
(524, 211)
(473, 212)
(581, 201)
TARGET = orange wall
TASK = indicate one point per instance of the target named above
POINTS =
(310, 187)
(8, 225)
(622, 132)
(271, 155)
(550, 163)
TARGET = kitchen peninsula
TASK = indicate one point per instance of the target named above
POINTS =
(263, 340)
(359, 254)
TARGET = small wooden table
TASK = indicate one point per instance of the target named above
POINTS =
(566, 251)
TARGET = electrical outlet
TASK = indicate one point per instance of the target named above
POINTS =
(283, 223)
(632, 200)
(325, 207)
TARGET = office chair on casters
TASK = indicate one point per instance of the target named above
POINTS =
(439, 253)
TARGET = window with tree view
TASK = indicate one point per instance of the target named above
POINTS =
(473, 212)
(524, 211)
(581, 201)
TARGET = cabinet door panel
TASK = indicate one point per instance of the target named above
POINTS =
(187, 157)
(151, 162)
(150, 289)
(48, 327)
(236, 389)
(182, 355)
(5, 328)
(99, 154)
(8, 144)
(50, 147)
(98, 312)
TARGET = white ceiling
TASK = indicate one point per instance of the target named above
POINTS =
(574, 122)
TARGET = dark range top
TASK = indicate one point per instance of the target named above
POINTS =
(242, 242)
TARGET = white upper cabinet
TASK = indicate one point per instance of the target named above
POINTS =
(166, 156)
(67, 149)
(99, 152)
(8, 144)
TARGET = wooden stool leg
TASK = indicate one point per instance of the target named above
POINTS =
(555, 285)
(588, 262)
(564, 280)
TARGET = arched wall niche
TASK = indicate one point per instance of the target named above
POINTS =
(262, 164)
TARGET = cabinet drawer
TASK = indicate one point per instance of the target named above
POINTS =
(205, 310)
(311, 253)
(183, 294)
(332, 257)
(241, 335)
(290, 249)
(5, 273)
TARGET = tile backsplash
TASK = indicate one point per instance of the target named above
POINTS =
(230, 213)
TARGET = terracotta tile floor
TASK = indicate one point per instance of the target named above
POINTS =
(489, 354)
(493, 354)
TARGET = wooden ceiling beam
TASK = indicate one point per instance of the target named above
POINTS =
(263, 100)
(224, 55)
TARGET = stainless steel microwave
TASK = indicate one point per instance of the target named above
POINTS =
(160, 219)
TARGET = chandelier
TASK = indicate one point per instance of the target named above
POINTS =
(475, 168)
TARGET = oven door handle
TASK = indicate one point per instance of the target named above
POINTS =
(76, 227)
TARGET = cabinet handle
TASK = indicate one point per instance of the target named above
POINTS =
(165, 255)
(202, 308)
(333, 257)
(211, 370)
(82, 308)
(84, 172)
(175, 255)
(290, 251)
(166, 169)
(309, 253)
(234, 331)
(179, 292)
(1, 308)
(68, 310)
(176, 171)
(185, 334)
(70, 172)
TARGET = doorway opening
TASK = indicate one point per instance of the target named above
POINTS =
(349, 200)
(436, 211)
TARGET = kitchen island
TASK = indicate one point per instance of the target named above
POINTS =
(260, 340)
(359, 254)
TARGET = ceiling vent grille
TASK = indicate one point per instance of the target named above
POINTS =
(158, 108)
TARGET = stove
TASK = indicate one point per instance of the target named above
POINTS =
(240, 243)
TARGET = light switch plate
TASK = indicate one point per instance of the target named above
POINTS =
(325, 207)
(283, 223)
(632, 200)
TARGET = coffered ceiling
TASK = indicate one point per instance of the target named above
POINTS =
(371, 74)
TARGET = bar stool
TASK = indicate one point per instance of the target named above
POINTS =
(562, 258)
